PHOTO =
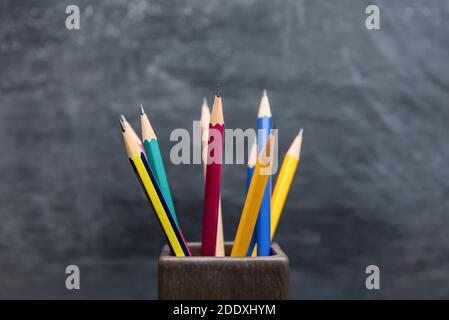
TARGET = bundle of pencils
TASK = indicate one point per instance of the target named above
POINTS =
(151, 187)
(263, 206)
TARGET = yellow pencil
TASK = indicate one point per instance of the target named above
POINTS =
(284, 183)
(253, 200)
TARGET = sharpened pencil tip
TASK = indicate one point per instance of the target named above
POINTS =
(265, 92)
(142, 111)
(295, 148)
(264, 107)
(204, 101)
(122, 123)
(274, 127)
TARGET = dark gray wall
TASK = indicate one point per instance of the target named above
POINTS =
(372, 187)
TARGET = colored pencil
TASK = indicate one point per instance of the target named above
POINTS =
(213, 177)
(154, 157)
(150, 186)
(284, 181)
(204, 126)
(204, 129)
(283, 184)
(264, 124)
(134, 134)
(252, 158)
(253, 200)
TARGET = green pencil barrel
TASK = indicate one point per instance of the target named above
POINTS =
(157, 166)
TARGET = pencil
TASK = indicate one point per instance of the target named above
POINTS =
(253, 200)
(134, 134)
(284, 181)
(148, 182)
(154, 157)
(252, 158)
(204, 126)
(213, 177)
(204, 129)
(283, 184)
(264, 123)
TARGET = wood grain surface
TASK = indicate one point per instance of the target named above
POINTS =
(217, 278)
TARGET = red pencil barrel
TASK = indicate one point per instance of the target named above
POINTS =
(212, 192)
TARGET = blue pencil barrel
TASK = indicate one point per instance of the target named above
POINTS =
(264, 125)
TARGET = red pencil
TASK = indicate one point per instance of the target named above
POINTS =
(213, 177)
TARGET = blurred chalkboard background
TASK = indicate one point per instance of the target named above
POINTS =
(373, 182)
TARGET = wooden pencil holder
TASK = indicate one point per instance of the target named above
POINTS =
(227, 277)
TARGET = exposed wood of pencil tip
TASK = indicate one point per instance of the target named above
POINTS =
(252, 159)
(205, 116)
(131, 146)
(129, 127)
(205, 112)
(217, 112)
(147, 129)
(204, 128)
(295, 148)
(264, 107)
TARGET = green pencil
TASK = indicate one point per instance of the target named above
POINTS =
(151, 146)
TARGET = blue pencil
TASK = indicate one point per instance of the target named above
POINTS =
(264, 124)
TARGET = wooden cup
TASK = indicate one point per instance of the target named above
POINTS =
(226, 277)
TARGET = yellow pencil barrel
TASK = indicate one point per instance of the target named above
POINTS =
(158, 207)
(280, 193)
(250, 211)
(281, 190)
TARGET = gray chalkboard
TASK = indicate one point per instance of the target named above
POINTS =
(373, 182)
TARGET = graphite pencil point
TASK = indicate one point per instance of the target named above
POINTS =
(122, 123)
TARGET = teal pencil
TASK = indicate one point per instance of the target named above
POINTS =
(151, 146)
